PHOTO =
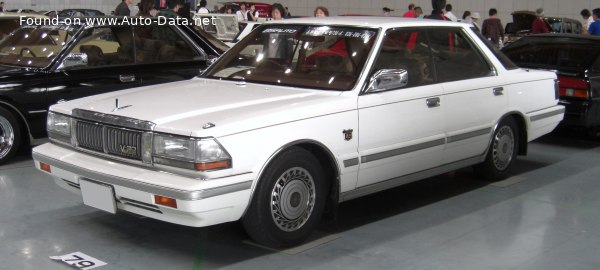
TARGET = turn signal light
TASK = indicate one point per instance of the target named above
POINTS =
(45, 167)
(211, 166)
(166, 201)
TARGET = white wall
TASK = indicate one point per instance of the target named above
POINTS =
(569, 8)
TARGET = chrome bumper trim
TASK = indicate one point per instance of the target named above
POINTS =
(154, 189)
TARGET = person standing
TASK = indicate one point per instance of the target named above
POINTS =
(1, 6)
(419, 13)
(387, 11)
(594, 29)
(123, 8)
(449, 13)
(587, 18)
(321, 11)
(253, 13)
(171, 12)
(438, 10)
(202, 9)
(539, 25)
(242, 14)
(145, 8)
(277, 12)
(411, 11)
(492, 28)
(474, 19)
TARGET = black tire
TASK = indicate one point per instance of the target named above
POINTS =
(502, 153)
(10, 135)
(288, 201)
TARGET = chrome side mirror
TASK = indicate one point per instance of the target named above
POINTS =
(74, 60)
(386, 79)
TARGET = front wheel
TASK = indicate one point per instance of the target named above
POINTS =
(502, 154)
(10, 135)
(288, 201)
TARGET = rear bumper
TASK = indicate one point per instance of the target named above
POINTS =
(581, 113)
(199, 202)
(544, 121)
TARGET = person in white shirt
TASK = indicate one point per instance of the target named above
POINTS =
(253, 13)
(242, 14)
(588, 19)
(202, 9)
(449, 13)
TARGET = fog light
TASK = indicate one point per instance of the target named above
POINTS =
(166, 201)
(45, 167)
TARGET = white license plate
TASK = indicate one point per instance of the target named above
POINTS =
(98, 195)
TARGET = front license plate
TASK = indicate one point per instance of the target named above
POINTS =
(98, 195)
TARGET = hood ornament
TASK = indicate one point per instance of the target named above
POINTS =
(208, 125)
(117, 106)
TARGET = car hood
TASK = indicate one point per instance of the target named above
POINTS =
(184, 108)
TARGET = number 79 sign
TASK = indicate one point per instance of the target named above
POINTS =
(79, 260)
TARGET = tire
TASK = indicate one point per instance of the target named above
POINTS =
(10, 135)
(502, 153)
(289, 200)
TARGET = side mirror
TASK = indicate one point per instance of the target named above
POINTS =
(75, 60)
(386, 79)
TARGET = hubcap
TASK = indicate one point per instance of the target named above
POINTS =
(7, 136)
(293, 199)
(504, 146)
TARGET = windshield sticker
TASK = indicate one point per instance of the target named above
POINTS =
(281, 30)
(338, 32)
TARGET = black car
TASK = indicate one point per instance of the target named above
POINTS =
(523, 22)
(576, 60)
(42, 65)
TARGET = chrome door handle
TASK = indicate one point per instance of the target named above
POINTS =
(127, 78)
(498, 91)
(433, 102)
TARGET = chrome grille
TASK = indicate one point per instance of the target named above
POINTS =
(89, 136)
(120, 142)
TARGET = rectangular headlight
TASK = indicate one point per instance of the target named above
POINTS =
(190, 153)
(59, 127)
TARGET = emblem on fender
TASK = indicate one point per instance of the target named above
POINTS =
(128, 149)
(347, 134)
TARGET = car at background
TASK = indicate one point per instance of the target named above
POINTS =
(576, 60)
(300, 114)
(42, 65)
(22, 10)
(224, 27)
(523, 21)
(80, 13)
(9, 21)
(245, 29)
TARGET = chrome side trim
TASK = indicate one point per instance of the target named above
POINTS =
(350, 162)
(111, 119)
(398, 181)
(38, 111)
(134, 184)
(469, 135)
(401, 151)
(548, 114)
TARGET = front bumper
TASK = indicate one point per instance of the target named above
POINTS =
(199, 202)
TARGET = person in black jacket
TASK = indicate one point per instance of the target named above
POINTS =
(438, 10)
(123, 8)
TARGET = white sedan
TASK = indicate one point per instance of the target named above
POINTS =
(301, 114)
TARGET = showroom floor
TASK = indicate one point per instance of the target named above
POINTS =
(545, 217)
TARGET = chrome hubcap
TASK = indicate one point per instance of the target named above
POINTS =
(293, 199)
(7, 136)
(504, 146)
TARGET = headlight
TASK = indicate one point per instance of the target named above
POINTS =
(59, 127)
(190, 153)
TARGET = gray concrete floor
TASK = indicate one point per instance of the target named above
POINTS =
(547, 217)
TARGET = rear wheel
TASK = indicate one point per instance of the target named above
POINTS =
(502, 153)
(288, 201)
(10, 135)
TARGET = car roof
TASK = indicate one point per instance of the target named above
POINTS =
(368, 21)
(17, 15)
(563, 37)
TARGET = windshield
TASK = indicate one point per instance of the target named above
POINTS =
(34, 47)
(320, 57)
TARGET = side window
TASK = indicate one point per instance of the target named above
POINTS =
(407, 49)
(106, 46)
(455, 57)
(159, 44)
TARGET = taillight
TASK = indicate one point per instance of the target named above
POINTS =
(573, 87)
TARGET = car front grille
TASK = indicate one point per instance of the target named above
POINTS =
(110, 140)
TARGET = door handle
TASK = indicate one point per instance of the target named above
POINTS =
(127, 78)
(433, 102)
(498, 91)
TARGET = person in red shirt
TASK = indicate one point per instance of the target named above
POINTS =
(411, 11)
(539, 25)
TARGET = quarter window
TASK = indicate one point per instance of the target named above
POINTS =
(106, 46)
(160, 43)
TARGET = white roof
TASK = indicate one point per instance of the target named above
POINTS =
(368, 21)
